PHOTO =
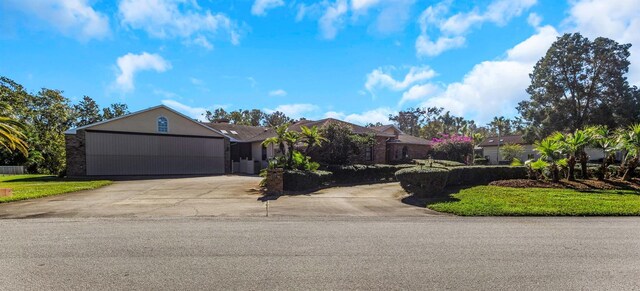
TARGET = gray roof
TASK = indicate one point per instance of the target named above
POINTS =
(410, 139)
(507, 139)
(242, 133)
(357, 129)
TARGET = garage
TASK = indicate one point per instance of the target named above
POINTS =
(152, 142)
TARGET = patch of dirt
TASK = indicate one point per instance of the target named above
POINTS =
(634, 184)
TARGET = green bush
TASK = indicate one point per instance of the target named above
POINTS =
(480, 161)
(449, 164)
(296, 180)
(364, 173)
(480, 175)
(423, 181)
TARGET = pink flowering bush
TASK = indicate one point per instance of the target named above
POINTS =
(453, 147)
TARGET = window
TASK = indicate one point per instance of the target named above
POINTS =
(368, 153)
(264, 153)
(163, 124)
(223, 131)
(405, 152)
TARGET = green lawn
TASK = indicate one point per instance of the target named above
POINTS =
(494, 201)
(36, 186)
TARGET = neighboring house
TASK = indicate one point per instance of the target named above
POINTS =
(154, 141)
(248, 155)
(404, 147)
(490, 149)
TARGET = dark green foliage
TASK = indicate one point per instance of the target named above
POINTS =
(296, 180)
(448, 164)
(365, 173)
(480, 161)
(115, 110)
(580, 82)
(343, 146)
(481, 175)
(423, 181)
(428, 181)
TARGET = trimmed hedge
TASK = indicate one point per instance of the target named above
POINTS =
(296, 180)
(429, 181)
(479, 175)
(449, 164)
(365, 173)
(423, 181)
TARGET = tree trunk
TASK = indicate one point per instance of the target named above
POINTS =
(571, 162)
(583, 163)
(603, 169)
(555, 173)
(631, 167)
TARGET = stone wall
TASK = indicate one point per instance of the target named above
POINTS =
(275, 182)
(76, 154)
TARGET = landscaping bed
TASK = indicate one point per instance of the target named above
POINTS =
(36, 186)
(589, 184)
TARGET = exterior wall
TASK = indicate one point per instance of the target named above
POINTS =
(380, 150)
(147, 122)
(491, 152)
(414, 151)
(76, 154)
(227, 156)
(136, 154)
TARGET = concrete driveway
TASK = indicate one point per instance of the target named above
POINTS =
(232, 196)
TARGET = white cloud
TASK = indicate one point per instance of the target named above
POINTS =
(381, 78)
(294, 110)
(74, 18)
(372, 116)
(278, 92)
(260, 7)
(495, 87)
(177, 19)
(452, 29)
(534, 19)
(419, 92)
(193, 112)
(130, 64)
(363, 4)
(618, 20)
(332, 19)
(196, 81)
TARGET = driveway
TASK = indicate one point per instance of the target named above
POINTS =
(232, 196)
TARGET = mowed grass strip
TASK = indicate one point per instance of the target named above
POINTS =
(36, 186)
(504, 201)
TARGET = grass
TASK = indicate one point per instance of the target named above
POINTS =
(504, 201)
(36, 186)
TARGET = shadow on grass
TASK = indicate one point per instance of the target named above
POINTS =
(445, 196)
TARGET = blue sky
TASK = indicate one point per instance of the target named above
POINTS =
(357, 60)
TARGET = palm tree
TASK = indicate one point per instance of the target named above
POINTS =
(550, 149)
(573, 144)
(476, 138)
(601, 138)
(312, 137)
(291, 138)
(11, 136)
(279, 139)
(630, 141)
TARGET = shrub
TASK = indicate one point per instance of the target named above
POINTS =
(453, 147)
(426, 181)
(423, 181)
(479, 175)
(364, 173)
(448, 164)
(480, 161)
(296, 180)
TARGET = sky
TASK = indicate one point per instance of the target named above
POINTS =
(356, 60)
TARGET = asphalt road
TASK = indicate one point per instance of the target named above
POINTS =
(422, 253)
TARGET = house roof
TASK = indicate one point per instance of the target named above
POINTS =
(383, 128)
(507, 139)
(243, 133)
(74, 130)
(410, 139)
(357, 129)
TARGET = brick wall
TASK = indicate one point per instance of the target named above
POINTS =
(380, 150)
(76, 154)
(414, 151)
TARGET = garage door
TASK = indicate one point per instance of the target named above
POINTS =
(138, 154)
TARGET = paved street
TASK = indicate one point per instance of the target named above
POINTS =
(422, 253)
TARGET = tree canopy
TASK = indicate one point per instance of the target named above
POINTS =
(580, 82)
